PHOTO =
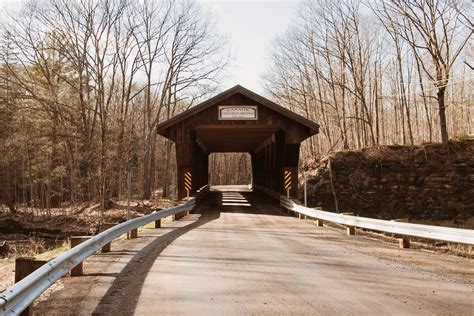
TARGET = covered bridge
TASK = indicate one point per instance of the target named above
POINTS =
(238, 120)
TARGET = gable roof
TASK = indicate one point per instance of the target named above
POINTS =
(313, 127)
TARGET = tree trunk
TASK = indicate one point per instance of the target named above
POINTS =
(442, 115)
(147, 167)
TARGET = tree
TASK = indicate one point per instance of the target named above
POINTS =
(432, 28)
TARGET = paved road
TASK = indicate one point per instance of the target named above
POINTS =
(243, 256)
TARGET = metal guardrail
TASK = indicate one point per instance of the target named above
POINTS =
(19, 296)
(455, 235)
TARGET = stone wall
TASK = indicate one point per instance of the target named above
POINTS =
(422, 182)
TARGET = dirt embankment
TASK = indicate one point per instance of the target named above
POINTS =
(424, 183)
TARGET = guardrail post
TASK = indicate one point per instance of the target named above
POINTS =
(404, 242)
(350, 230)
(179, 215)
(319, 222)
(398, 220)
(79, 269)
(134, 233)
(107, 247)
(158, 223)
(23, 267)
(183, 213)
(103, 227)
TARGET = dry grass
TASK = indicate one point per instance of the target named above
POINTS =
(36, 248)
(54, 252)
(26, 248)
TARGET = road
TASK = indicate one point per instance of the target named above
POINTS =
(239, 254)
(247, 260)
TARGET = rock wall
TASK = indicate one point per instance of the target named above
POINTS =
(422, 182)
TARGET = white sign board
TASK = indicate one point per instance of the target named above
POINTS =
(238, 112)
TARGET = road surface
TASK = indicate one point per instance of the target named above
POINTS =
(239, 254)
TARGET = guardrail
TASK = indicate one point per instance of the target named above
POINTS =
(19, 296)
(455, 235)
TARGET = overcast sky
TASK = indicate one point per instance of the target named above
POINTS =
(250, 27)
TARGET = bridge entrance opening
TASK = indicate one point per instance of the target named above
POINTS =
(230, 169)
(238, 121)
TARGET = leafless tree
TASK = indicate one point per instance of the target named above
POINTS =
(434, 31)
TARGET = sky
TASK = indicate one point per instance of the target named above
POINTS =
(250, 27)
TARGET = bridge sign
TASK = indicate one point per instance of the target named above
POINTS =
(238, 112)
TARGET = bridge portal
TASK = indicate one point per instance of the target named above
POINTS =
(238, 120)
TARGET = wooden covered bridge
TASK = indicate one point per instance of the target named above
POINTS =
(238, 120)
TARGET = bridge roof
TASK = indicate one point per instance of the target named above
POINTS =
(311, 126)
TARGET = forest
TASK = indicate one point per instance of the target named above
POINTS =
(378, 72)
(83, 85)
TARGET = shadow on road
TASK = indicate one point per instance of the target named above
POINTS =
(122, 296)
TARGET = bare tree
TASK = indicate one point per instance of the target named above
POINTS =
(188, 56)
(434, 29)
